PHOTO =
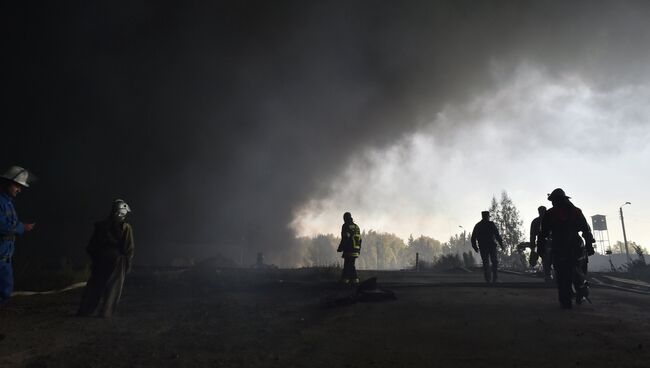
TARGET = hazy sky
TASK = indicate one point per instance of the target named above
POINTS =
(529, 135)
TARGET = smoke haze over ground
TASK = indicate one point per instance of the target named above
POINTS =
(221, 122)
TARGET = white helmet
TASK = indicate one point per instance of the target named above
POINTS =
(120, 208)
(18, 175)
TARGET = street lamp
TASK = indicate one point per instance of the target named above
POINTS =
(627, 251)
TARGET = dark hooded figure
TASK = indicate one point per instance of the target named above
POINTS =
(487, 234)
(562, 224)
(111, 252)
(351, 247)
(543, 247)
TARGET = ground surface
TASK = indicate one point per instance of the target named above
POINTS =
(280, 319)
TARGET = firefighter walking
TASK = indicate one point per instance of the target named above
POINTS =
(487, 235)
(563, 224)
(540, 247)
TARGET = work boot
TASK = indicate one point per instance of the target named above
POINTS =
(582, 293)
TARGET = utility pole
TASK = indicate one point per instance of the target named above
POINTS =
(627, 251)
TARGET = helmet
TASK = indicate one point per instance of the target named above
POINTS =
(347, 217)
(120, 208)
(557, 194)
(18, 175)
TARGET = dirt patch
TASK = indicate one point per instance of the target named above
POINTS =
(277, 320)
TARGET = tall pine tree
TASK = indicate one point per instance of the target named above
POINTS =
(506, 216)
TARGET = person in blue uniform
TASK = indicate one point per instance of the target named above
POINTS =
(12, 182)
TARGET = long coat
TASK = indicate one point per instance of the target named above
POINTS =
(111, 253)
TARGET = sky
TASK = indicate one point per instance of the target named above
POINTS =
(230, 127)
(530, 135)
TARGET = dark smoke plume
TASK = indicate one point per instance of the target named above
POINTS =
(216, 120)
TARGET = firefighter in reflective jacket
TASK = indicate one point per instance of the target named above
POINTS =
(563, 223)
(351, 247)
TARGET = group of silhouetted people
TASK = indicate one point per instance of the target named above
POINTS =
(557, 237)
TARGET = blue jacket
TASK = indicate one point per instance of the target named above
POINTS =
(9, 226)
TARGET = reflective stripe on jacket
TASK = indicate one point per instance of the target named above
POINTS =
(351, 240)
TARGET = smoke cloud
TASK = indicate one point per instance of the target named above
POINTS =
(528, 136)
(218, 122)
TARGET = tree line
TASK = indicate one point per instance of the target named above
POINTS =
(388, 251)
(381, 251)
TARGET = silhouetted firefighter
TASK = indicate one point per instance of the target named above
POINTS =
(351, 247)
(487, 234)
(543, 248)
(562, 224)
(111, 252)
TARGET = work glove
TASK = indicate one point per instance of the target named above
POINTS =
(590, 250)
